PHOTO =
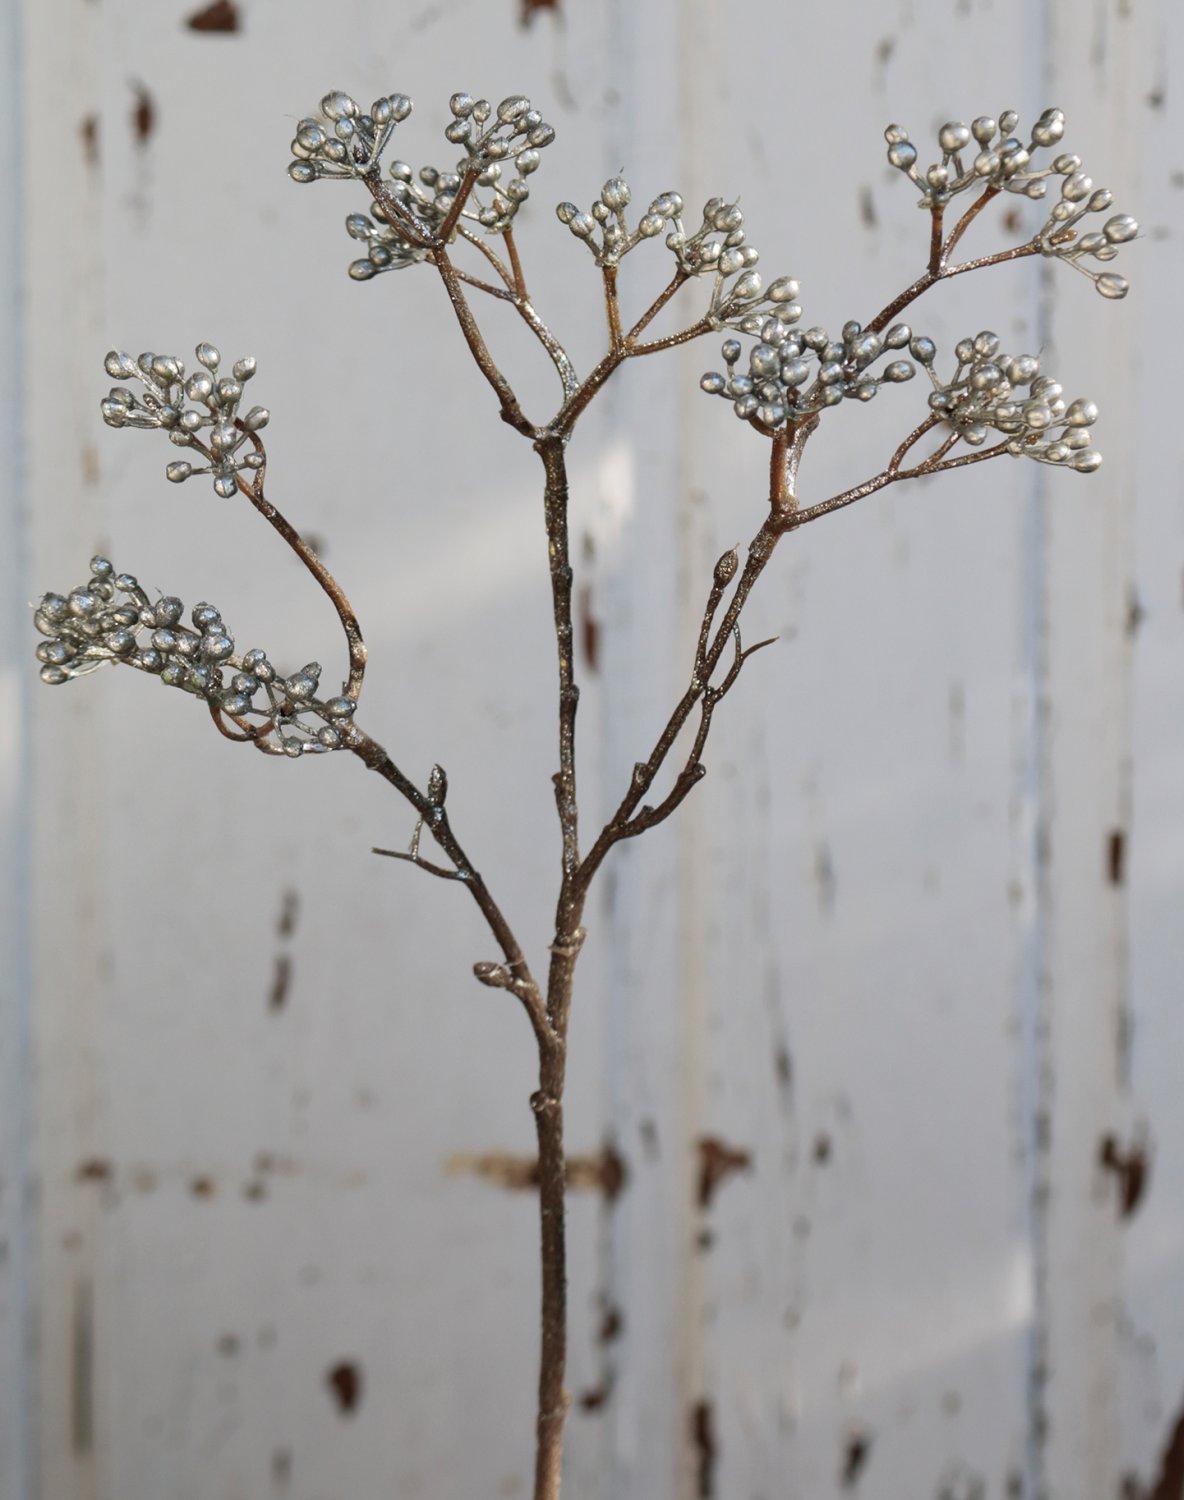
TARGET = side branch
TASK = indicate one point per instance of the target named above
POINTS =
(336, 594)
(435, 819)
(627, 821)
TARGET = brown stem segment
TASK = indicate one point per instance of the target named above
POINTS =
(337, 595)
(555, 504)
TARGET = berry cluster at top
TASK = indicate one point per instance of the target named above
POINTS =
(985, 155)
(501, 151)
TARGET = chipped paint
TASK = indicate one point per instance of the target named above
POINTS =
(1131, 1169)
(531, 7)
(717, 1162)
(222, 15)
(604, 1172)
(705, 1447)
(344, 1381)
(143, 114)
(1116, 857)
(856, 1452)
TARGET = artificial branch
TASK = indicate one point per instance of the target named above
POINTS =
(992, 402)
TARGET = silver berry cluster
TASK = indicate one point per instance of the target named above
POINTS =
(386, 248)
(605, 228)
(792, 375)
(985, 154)
(109, 620)
(501, 149)
(1059, 235)
(211, 423)
(1006, 393)
(739, 298)
(343, 142)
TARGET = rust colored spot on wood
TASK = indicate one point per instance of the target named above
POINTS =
(604, 1172)
(88, 133)
(596, 1398)
(1131, 1169)
(612, 1324)
(344, 1381)
(1116, 856)
(529, 8)
(95, 1169)
(222, 15)
(1169, 1482)
(143, 114)
(717, 1162)
(281, 982)
(856, 1452)
(289, 913)
(202, 1187)
(706, 1451)
(589, 629)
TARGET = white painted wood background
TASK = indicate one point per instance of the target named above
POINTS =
(914, 947)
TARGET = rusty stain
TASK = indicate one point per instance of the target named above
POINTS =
(529, 7)
(281, 978)
(822, 1149)
(867, 208)
(281, 982)
(143, 115)
(589, 628)
(1012, 221)
(596, 1397)
(717, 1162)
(91, 470)
(144, 1180)
(706, 1452)
(202, 1187)
(612, 1324)
(856, 1452)
(344, 1380)
(88, 131)
(255, 1192)
(95, 1169)
(1131, 1168)
(1116, 856)
(82, 1370)
(1169, 1483)
(604, 1172)
(222, 15)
